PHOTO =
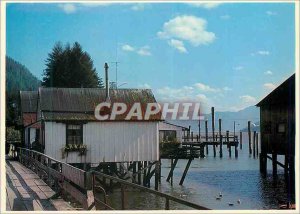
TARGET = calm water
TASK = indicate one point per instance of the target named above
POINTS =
(235, 178)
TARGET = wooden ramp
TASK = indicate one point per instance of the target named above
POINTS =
(26, 191)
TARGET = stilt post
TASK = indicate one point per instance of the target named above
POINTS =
(185, 171)
(254, 144)
(213, 128)
(241, 140)
(220, 137)
(249, 135)
(206, 135)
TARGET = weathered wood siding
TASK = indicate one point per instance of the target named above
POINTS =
(271, 116)
(106, 142)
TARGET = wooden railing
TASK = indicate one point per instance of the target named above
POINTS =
(72, 180)
(113, 181)
(83, 186)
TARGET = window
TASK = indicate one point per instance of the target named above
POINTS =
(167, 135)
(74, 134)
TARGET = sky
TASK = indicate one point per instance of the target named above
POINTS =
(227, 55)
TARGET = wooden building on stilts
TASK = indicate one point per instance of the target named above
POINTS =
(277, 121)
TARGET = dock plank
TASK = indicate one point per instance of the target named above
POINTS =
(25, 191)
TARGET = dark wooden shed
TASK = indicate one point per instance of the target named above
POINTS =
(277, 122)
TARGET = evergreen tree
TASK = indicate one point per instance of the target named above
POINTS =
(70, 67)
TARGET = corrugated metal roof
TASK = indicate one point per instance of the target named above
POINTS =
(283, 94)
(80, 103)
(28, 101)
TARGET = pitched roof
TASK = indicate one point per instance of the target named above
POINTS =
(80, 103)
(28, 101)
(284, 94)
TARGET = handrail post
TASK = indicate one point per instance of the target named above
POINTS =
(88, 180)
(167, 205)
(123, 196)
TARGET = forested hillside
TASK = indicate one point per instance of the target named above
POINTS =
(18, 77)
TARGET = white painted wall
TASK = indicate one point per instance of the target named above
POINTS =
(106, 142)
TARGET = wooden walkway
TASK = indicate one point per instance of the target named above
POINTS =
(26, 191)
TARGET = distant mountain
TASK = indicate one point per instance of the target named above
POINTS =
(18, 77)
(253, 127)
(241, 119)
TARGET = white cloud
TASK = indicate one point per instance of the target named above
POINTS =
(227, 88)
(268, 72)
(68, 8)
(248, 99)
(138, 7)
(127, 47)
(187, 28)
(96, 4)
(74, 7)
(144, 51)
(271, 13)
(205, 88)
(263, 52)
(205, 5)
(145, 85)
(269, 86)
(238, 68)
(225, 17)
(177, 44)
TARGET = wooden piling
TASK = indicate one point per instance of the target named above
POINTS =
(192, 136)
(220, 138)
(228, 144)
(134, 171)
(274, 164)
(140, 173)
(185, 171)
(241, 140)
(286, 165)
(221, 147)
(159, 177)
(206, 135)
(145, 173)
(156, 175)
(254, 144)
(249, 135)
(213, 128)
(123, 197)
(173, 165)
(236, 152)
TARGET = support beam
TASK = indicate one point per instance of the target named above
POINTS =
(220, 138)
(206, 135)
(254, 144)
(185, 171)
(274, 164)
(249, 135)
(173, 165)
(157, 174)
(241, 140)
(213, 128)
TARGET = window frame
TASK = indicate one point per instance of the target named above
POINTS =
(67, 133)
